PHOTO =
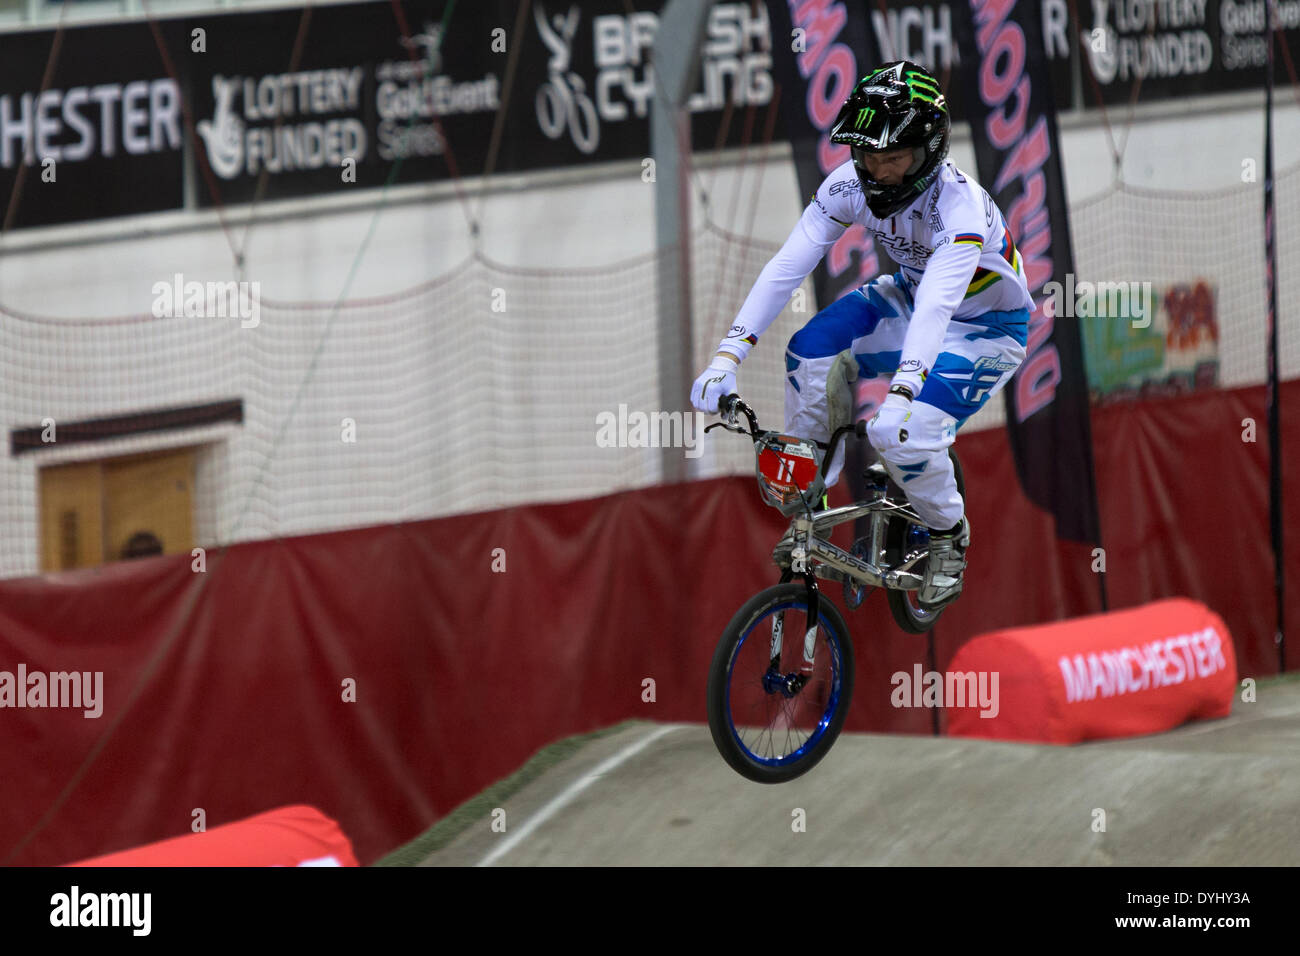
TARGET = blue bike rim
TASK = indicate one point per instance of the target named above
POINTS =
(832, 639)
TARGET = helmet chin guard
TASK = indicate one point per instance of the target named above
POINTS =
(896, 107)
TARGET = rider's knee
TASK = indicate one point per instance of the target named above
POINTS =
(817, 339)
(797, 349)
(930, 431)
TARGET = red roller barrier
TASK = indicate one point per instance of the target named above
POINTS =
(288, 836)
(1140, 671)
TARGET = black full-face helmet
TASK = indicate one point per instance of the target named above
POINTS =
(899, 106)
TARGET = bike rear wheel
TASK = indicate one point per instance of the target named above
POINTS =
(902, 537)
(773, 716)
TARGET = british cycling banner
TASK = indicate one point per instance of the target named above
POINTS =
(1013, 125)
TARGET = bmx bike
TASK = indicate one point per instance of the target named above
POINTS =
(775, 706)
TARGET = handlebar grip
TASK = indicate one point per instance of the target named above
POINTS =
(727, 403)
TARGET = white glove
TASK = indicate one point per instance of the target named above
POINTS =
(717, 380)
(888, 430)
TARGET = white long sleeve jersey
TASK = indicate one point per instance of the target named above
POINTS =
(952, 247)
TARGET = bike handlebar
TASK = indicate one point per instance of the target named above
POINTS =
(729, 405)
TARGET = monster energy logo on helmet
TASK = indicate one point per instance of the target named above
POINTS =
(924, 87)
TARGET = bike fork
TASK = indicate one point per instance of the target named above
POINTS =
(810, 636)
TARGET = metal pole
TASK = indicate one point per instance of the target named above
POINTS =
(1274, 417)
(676, 54)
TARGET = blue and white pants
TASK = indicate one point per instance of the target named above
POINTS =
(977, 358)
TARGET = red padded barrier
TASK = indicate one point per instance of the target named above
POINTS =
(288, 836)
(1139, 671)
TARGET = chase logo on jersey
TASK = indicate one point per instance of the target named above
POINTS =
(903, 250)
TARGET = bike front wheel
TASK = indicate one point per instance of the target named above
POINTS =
(778, 694)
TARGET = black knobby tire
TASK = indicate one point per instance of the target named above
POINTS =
(908, 614)
(829, 710)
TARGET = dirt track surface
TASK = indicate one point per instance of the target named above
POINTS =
(1222, 792)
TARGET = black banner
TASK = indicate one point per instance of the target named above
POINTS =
(305, 101)
(816, 71)
(363, 90)
(1013, 125)
(102, 138)
(376, 83)
(1179, 48)
(925, 33)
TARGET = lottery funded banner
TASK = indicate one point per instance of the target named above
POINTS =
(1179, 48)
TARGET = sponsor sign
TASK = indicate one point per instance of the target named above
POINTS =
(1139, 671)
(377, 92)
(1177, 48)
(1167, 345)
(425, 108)
(382, 91)
(100, 137)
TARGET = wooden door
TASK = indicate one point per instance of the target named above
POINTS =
(116, 508)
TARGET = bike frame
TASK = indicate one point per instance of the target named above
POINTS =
(811, 553)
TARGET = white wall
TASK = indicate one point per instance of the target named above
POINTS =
(459, 407)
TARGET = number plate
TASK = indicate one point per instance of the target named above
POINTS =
(788, 466)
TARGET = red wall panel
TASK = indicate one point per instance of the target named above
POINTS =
(224, 689)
